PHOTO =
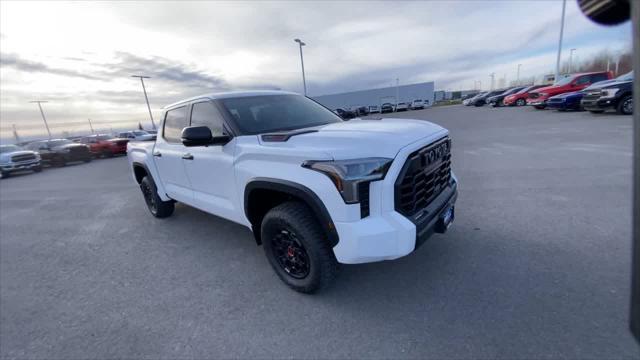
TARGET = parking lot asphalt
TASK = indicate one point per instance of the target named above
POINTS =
(536, 265)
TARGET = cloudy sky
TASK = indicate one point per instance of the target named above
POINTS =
(79, 56)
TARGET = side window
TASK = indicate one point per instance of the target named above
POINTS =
(598, 77)
(583, 80)
(206, 114)
(175, 120)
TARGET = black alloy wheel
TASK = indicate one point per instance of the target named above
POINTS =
(290, 254)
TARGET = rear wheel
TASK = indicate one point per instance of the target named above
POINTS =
(625, 106)
(521, 102)
(297, 247)
(157, 207)
(5, 174)
(37, 168)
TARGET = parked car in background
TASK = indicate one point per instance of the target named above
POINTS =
(566, 101)
(386, 108)
(496, 100)
(13, 159)
(137, 135)
(105, 145)
(417, 104)
(362, 111)
(616, 95)
(373, 109)
(482, 100)
(469, 101)
(575, 82)
(520, 98)
(402, 106)
(60, 152)
(345, 114)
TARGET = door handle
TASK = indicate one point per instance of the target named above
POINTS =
(187, 156)
(157, 153)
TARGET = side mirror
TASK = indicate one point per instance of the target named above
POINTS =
(201, 136)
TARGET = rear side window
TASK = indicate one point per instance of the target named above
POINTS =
(206, 114)
(598, 77)
(175, 120)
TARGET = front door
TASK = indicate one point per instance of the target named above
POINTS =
(210, 168)
(169, 153)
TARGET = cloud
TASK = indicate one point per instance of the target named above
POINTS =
(20, 64)
(163, 69)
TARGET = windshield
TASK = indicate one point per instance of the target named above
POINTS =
(104, 137)
(564, 81)
(55, 143)
(8, 148)
(626, 77)
(269, 113)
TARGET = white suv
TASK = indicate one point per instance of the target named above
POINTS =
(315, 190)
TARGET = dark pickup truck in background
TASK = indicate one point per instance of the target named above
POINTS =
(616, 95)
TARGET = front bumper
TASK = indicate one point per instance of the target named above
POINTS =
(537, 102)
(24, 165)
(599, 104)
(391, 235)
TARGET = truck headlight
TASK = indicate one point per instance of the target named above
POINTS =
(609, 93)
(347, 175)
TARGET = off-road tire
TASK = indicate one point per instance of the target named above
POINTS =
(157, 207)
(297, 219)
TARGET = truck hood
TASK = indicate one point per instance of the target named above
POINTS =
(360, 138)
(607, 84)
(5, 157)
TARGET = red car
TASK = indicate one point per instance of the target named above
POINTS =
(520, 98)
(575, 82)
(105, 145)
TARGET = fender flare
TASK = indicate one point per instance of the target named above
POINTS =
(296, 190)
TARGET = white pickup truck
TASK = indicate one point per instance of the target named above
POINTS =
(315, 190)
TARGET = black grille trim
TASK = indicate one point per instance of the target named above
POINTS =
(23, 157)
(421, 180)
(364, 195)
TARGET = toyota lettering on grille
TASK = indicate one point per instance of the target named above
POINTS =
(436, 153)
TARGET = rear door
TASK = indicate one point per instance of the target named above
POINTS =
(210, 168)
(168, 155)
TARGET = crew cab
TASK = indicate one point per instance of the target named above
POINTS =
(315, 190)
(13, 159)
(614, 94)
(105, 145)
(575, 82)
(60, 152)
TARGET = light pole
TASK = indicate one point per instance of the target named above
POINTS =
(518, 75)
(304, 80)
(571, 59)
(557, 75)
(142, 77)
(492, 76)
(39, 102)
(397, 92)
(91, 126)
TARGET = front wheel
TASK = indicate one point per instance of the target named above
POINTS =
(625, 106)
(37, 168)
(157, 207)
(5, 174)
(297, 248)
(521, 102)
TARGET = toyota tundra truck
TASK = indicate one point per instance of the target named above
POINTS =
(316, 191)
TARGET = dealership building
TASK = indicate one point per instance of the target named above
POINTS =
(405, 93)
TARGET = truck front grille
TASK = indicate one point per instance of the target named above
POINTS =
(23, 157)
(425, 174)
(592, 95)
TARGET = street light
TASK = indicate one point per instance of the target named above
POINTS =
(91, 126)
(42, 113)
(557, 76)
(571, 59)
(518, 75)
(492, 76)
(142, 77)
(304, 80)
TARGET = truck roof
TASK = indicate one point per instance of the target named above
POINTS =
(232, 94)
